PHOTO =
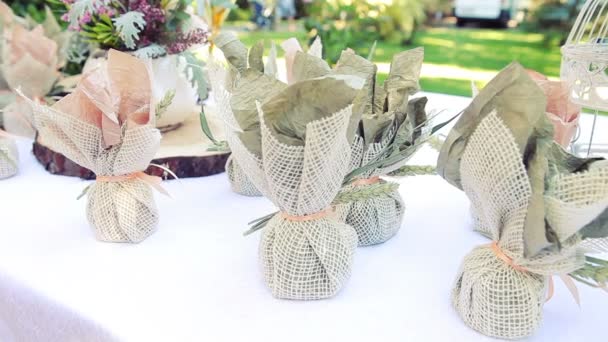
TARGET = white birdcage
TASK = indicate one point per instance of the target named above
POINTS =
(585, 62)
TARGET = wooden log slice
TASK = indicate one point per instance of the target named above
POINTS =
(183, 150)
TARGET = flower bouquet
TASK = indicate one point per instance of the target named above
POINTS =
(539, 205)
(163, 31)
(107, 126)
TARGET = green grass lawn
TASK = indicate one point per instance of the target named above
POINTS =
(454, 57)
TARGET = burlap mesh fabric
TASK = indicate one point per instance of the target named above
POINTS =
(9, 157)
(491, 296)
(311, 259)
(239, 182)
(378, 219)
(122, 211)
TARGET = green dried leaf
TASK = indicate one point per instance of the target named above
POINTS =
(164, 104)
(218, 146)
(205, 127)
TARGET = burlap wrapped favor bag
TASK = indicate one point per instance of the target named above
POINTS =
(9, 156)
(245, 80)
(29, 63)
(389, 122)
(300, 164)
(536, 202)
(107, 126)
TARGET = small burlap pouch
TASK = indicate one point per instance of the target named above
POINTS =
(107, 126)
(305, 250)
(376, 219)
(388, 119)
(239, 182)
(9, 156)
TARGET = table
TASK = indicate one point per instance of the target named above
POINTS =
(199, 279)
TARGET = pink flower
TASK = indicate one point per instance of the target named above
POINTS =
(560, 110)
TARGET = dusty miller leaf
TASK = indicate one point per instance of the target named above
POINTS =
(150, 52)
(81, 7)
(195, 73)
(128, 26)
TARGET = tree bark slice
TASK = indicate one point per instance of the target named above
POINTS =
(183, 167)
(184, 151)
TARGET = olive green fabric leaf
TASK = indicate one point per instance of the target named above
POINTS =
(374, 127)
(518, 101)
(352, 64)
(253, 86)
(538, 235)
(316, 49)
(403, 78)
(234, 50)
(564, 162)
(288, 113)
(598, 228)
(306, 67)
(379, 104)
(256, 54)
(271, 68)
(409, 130)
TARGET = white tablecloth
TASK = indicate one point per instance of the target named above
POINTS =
(198, 278)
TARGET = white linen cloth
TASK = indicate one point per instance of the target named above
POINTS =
(199, 279)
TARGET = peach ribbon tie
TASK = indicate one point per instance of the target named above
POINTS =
(564, 277)
(153, 181)
(305, 218)
(367, 181)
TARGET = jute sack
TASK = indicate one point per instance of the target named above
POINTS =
(9, 157)
(239, 182)
(499, 291)
(378, 219)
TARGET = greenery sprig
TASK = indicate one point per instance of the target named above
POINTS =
(414, 170)
(594, 273)
(393, 153)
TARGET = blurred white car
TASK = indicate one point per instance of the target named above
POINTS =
(495, 11)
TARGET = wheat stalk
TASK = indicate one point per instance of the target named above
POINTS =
(363, 193)
(414, 170)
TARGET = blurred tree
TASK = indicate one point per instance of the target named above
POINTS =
(554, 18)
(356, 24)
(33, 8)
